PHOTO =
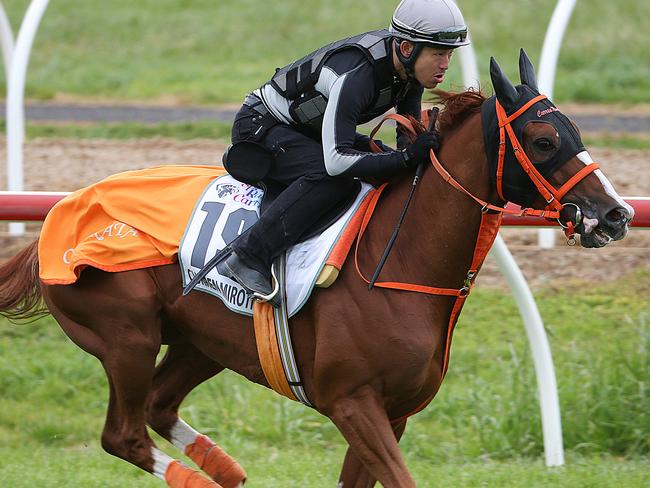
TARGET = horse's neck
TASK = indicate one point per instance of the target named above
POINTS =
(436, 243)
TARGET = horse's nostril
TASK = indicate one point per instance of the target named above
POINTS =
(617, 216)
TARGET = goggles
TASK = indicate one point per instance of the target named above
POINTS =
(457, 36)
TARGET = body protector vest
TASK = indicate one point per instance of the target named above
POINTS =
(296, 81)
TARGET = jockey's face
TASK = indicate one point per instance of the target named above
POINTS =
(431, 66)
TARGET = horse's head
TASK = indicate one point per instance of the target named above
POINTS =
(538, 159)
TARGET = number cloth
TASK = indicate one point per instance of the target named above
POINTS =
(226, 209)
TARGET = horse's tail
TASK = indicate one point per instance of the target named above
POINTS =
(20, 291)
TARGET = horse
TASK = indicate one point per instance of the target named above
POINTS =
(368, 358)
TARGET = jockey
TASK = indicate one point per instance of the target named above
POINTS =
(306, 118)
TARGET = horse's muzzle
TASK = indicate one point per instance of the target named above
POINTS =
(600, 226)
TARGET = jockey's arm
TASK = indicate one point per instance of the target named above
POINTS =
(411, 104)
(351, 93)
(362, 143)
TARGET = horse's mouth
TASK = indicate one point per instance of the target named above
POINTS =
(600, 236)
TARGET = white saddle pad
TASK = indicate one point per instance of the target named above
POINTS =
(226, 209)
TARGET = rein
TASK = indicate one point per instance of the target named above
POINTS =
(551, 195)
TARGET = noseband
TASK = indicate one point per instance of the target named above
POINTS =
(551, 195)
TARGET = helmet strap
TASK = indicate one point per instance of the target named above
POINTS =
(408, 61)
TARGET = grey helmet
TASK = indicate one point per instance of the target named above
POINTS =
(436, 23)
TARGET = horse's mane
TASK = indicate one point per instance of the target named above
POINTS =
(457, 107)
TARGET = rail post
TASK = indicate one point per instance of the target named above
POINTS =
(15, 100)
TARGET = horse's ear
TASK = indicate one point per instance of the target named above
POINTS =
(527, 71)
(503, 88)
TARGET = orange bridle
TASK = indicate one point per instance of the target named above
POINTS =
(551, 195)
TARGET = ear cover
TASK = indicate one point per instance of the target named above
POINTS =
(503, 88)
(527, 71)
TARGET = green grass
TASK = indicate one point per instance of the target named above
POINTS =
(129, 130)
(618, 142)
(483, 429)
(201, 51)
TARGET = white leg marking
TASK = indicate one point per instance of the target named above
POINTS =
(585, 157)
(182, 435)
(160, 463)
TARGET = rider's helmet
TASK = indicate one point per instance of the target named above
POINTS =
(435, 23)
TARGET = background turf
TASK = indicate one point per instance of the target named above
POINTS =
(202, 51)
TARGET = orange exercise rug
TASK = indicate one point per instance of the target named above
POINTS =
(130, 220)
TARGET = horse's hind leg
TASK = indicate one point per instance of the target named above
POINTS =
(181, 370)
(125, 434)
(115, 318)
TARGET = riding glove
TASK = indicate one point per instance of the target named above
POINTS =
(419, 150)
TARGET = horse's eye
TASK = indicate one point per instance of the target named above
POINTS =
(544, 144)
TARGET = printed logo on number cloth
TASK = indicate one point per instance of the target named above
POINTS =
(243, 194)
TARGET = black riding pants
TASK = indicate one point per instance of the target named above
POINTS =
(298, 165)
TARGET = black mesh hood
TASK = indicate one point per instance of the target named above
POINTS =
(517, 186)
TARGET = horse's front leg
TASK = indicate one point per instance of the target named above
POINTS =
(354, 474)
(363, 421)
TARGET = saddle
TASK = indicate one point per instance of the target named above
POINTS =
(227, 208)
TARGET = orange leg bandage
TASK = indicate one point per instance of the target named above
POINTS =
(214, 461)
(179, 476)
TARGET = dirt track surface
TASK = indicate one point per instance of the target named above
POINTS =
(68, 164)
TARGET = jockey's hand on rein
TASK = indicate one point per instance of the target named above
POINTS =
(419, 150)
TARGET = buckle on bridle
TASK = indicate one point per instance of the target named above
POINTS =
(578, 218)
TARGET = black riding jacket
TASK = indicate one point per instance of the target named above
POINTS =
(349, 86)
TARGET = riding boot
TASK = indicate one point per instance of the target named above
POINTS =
(298, 207)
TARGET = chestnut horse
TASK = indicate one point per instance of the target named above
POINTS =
(368, 359)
